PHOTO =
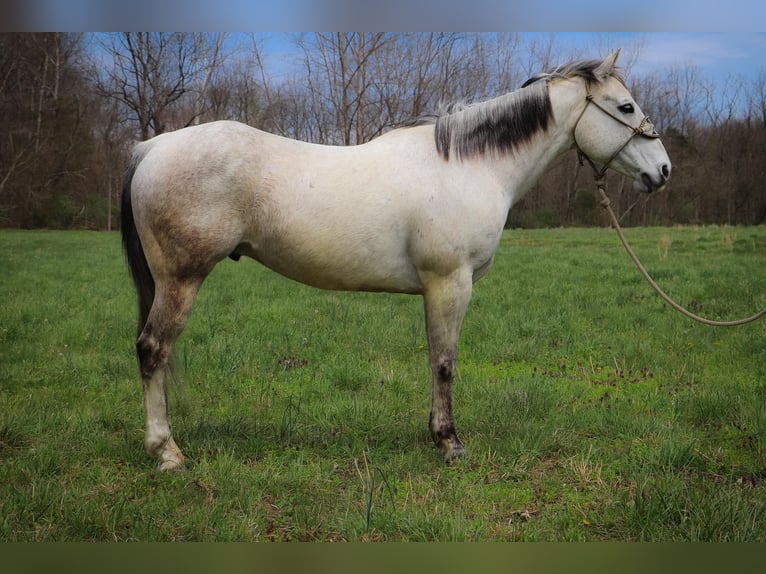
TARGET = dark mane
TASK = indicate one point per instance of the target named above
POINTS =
(499, 125)
(503, 124)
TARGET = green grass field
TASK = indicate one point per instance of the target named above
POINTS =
(589, 409)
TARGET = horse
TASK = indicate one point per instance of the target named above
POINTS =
(418, 210)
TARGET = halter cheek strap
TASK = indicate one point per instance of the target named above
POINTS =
(645, 128)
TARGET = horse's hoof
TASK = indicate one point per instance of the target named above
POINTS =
(452, 449)
(454, 457)
(172, 466)
(170, 456)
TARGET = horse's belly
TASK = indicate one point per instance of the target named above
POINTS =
(337, 267)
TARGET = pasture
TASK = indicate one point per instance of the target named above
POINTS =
(588, 408)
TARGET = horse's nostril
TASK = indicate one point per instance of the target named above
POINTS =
(665, 171)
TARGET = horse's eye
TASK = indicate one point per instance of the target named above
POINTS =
(626, 108)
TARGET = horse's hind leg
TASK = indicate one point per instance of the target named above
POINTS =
(446, 300)
(173, 301)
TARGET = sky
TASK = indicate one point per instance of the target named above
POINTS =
(716, 54)
(718, 37)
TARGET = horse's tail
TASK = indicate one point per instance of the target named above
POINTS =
(134, 251)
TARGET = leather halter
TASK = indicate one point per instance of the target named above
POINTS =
(645, 128)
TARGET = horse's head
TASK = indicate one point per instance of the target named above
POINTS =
(613, 132)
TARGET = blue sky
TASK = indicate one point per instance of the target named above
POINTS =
(716, 54)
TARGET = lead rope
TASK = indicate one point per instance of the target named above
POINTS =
(607, 204)
(600, 178)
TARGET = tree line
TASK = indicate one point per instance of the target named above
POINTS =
(73, 104)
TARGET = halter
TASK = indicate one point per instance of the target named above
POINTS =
(645, 128)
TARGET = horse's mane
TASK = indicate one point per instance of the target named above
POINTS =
(503, 124)
(585, 69)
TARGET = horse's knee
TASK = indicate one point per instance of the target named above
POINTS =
(149, 353)
(445, 372)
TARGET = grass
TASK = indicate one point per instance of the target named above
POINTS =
(589, 409)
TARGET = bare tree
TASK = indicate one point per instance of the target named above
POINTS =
(208, 54)
(756, 98)
(337, 66)
(151, 72)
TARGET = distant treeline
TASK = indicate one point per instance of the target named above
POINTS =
(72, 105)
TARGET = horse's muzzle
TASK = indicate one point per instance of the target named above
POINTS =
(650, 184)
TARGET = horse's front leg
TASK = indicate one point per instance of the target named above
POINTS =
(446, 300)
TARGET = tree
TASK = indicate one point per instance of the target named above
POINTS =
(337, 70)
(46, 142)
(151, 72)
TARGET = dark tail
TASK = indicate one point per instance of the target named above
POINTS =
(134, 251)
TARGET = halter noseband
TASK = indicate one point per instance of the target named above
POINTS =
(645, 128)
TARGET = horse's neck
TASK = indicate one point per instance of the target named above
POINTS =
(523, 171)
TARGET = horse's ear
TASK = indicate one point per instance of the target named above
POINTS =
(605, 68)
